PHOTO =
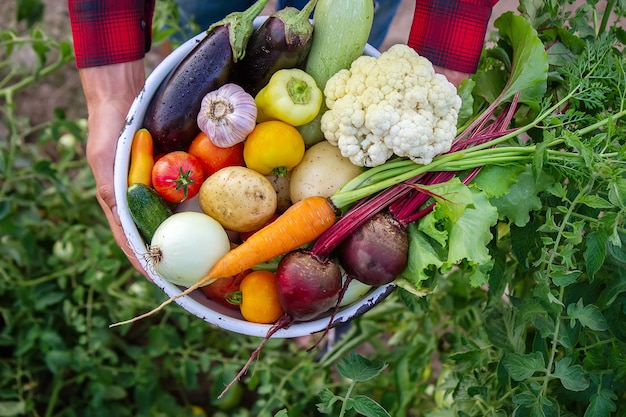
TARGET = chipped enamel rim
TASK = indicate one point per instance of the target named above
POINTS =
(197, 303)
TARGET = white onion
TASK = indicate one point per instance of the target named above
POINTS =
(186, 246)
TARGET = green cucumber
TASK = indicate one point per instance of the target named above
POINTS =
(147, 209)
(341, 30)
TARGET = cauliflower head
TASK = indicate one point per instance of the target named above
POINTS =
(393, 104)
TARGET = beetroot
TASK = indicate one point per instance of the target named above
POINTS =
(309, 285)
(377, 252)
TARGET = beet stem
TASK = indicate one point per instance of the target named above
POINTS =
(342, 293)
(283, 322)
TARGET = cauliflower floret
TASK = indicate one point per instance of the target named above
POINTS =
(393, 104)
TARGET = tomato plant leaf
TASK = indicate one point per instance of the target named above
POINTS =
(525, 398)
(30, 10)
(617, 193)
(602, 404)
(573, 377)
(562, 277)
(12, 408)
(595, 252)
(523, 366)
(328, 400)
(502, 330)
(523, 241)
(595, 201)
(359, 368)
(589, 316)
(367, 407)
(56, 360)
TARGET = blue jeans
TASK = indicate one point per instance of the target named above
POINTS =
(206, 12)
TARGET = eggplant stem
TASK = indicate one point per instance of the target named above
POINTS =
(240, 27)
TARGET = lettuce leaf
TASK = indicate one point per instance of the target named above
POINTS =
(455, 234)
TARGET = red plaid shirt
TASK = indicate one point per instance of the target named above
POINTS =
(110, 31)
(450, 33)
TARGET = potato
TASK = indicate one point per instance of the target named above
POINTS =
(281, 186)
(323, 171)
(239, 198)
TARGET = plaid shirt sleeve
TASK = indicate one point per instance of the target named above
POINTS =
(110, 31)
(451, 33)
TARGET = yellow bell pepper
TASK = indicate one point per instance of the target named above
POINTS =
(291, 96)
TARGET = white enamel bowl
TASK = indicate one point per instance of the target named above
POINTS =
(197, 303)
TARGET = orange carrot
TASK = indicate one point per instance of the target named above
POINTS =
(141, 158)
(302, 223)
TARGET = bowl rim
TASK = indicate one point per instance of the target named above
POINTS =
(196, 303)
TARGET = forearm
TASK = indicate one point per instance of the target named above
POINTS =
(109, 91)
(113, 85)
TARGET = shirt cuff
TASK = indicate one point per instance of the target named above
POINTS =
(110, 32)
(450, 33)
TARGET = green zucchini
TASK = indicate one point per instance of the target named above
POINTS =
(341, 30)
(147, 209)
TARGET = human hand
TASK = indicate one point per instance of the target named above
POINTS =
(109, 90)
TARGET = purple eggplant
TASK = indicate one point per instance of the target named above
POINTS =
(282, 41)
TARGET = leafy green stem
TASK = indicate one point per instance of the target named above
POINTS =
(548, 267)
(608, 10)
(13, 142)
(52, 276)
(554, 348)
(278, 389)
(28, 80)
(344, 403)
(603, 122)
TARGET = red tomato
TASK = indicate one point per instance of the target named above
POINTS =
(213, 157)
(220, 290)
(177, 176)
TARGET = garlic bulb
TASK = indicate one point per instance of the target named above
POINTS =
(227, 115)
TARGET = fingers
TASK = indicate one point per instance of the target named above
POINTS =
(106, 199)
